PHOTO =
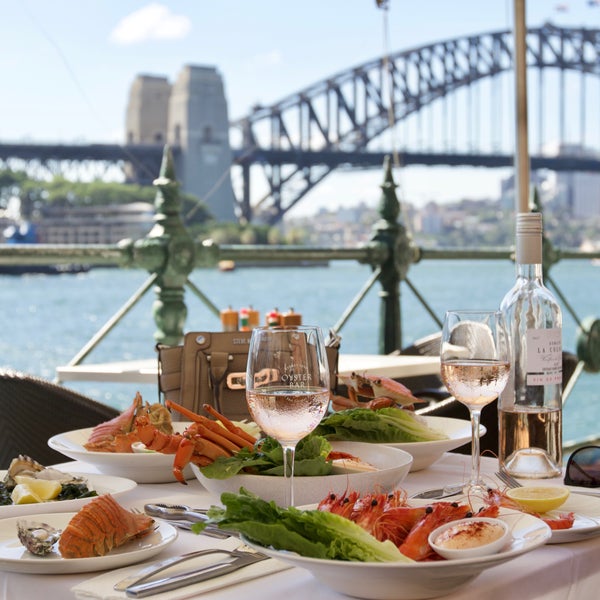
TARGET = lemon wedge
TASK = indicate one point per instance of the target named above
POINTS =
(22, 494)
(540, 499)
(43, 488)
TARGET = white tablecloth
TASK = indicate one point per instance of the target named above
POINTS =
(552, 572)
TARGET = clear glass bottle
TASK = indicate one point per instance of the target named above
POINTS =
(530, 407)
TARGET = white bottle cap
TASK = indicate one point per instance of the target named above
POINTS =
(529, 238)
(530, 222)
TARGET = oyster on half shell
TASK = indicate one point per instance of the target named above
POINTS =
(27, 466)
(38, 538)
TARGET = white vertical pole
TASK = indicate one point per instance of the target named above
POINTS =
(522, 149)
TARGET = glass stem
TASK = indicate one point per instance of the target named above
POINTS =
(289, 453)
(475, 448)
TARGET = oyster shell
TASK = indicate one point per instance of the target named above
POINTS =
(26, 466)
(22, 465)
(37, 537)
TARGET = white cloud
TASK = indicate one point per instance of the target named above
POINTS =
(153, 22)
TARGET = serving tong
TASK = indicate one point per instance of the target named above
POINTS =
(184, 517)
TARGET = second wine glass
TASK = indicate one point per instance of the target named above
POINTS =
(287, 386)
(475, 365)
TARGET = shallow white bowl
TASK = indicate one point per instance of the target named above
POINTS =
(475, 551)
(426, 453)
(102, 484)
(416, 580)
(393, 465)
(142, 467)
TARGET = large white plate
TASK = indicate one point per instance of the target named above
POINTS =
(587, 519)
(393, 466)
(14, 556)
(419, 580)
(143, 467)
(426, 453)
(103, 484)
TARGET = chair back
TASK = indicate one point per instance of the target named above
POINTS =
(33, 410)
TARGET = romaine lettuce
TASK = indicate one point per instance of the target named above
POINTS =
(384, 425)
(312, 533)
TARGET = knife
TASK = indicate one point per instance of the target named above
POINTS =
(438, 493)
(236, 559)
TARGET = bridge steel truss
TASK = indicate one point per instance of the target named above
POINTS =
(300, 140)
(297, 142)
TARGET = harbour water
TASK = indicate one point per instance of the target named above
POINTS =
(46, 320)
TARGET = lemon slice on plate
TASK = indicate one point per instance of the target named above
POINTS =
(44, 489)
(22, 494)
(540, 499)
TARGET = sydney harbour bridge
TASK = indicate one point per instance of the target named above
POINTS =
(447, 103)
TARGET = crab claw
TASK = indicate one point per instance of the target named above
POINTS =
(375, 386)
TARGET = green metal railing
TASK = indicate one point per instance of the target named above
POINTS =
(169, 254)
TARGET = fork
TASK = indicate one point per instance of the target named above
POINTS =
(509, 480)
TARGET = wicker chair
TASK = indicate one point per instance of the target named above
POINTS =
(33, 410)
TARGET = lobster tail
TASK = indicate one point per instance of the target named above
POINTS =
(100, 526)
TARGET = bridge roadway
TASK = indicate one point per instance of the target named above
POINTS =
(150, 155)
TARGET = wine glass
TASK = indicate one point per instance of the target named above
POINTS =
(287, 387)
(475, 364)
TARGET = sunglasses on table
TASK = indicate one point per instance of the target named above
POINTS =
(583, 467)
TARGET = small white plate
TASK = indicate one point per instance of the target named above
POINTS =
(14, 557)
(142, 467)
(418, 580)
(587, 519)
(393, 466)
(426, 453)
(102, 484)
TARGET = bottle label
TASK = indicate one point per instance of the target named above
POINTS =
(544, 356)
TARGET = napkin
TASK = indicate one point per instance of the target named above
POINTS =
(101, 587)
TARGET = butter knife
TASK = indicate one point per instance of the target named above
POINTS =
(237, 559)
(438, 493)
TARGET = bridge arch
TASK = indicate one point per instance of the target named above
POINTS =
(298, 141)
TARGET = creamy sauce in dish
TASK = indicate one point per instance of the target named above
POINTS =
(469, 535)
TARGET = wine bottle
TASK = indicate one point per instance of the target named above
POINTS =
(530, 407)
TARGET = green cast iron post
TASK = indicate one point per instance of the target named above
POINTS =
(167, 252)
(391, 232)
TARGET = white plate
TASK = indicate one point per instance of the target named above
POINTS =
(419, 580)
(393, 466)
(14, 557)
(587, 519)
(426, 453)
(103, 484)
(142, 467)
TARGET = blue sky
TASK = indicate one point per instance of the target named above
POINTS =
(66, 65)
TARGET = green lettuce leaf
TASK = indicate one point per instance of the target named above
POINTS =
(312, 533)
(383, 425)
(266, 458)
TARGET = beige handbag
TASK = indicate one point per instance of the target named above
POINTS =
(210, 368)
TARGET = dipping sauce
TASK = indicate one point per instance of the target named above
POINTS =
(469, 535)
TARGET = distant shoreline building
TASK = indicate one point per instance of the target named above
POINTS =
(190, 114)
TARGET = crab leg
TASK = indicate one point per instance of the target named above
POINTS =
(229, 424)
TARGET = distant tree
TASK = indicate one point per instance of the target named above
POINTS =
(59, 191)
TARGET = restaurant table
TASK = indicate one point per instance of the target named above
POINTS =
(146, 370)
(551, 572)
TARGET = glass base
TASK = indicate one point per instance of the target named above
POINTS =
(531, 463)
(476, 489)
